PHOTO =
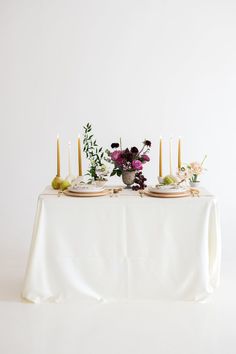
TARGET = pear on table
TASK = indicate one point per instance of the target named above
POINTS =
(56, 182)
(169, 179)
(65, 184)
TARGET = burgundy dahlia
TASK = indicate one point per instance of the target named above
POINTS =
(147, 143)
(134, 150)
(145, 158)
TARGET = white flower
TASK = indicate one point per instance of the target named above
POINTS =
(184, 173)
(102, 170)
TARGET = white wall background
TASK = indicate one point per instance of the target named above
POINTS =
(136, 69)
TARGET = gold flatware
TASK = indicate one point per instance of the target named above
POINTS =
(141, 193)
(115, 191)
(59, 194)
(195, 192)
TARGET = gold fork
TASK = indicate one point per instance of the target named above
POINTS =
(194, 192)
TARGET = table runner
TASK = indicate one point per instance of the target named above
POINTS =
(123, 248)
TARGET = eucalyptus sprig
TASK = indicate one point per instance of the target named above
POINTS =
(93, 152)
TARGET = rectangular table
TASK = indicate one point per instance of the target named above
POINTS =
(123, 248)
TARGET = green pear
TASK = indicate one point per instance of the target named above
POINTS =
(56, 182)
(169, 179)
(65, 184)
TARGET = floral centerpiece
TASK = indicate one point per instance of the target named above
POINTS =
(128, 163)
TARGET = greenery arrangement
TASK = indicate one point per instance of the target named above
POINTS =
(95, 154)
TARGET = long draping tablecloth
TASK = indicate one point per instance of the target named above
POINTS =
(123, 248)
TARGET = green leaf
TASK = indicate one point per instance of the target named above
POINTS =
(113, 173)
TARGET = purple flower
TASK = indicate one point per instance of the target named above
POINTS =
(116, 155)
(119, 161)
(145, 158)
(137, 165)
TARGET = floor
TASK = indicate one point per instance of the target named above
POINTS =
(128, 328)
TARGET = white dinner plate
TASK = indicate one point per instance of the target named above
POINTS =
(85, 189)
(167, 189)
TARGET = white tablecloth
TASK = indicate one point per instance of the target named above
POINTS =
(123, 248)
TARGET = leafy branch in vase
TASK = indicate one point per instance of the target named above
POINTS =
(95, 154)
